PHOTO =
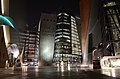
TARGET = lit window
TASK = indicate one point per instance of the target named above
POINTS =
(65, 17)
(110, 4)
(58, 29)
(66, 33)
(66, 36)
(59, 33)
(66, 14)
(68, 40)
(63, 23)
(66, 29)
(64, 46)
(65, 20)
(60, 17)
(57, 40)
(59, 14)
(66, 23)
(58, 36)
(72, 17)
(59, 23)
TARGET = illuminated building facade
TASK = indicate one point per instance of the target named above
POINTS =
(47, 26)
(67, 49)
(30, 41)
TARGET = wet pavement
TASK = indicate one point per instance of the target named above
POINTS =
(54, 73)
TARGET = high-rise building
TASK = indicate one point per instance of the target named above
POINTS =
(100, 29)
(67, 49)
(110, 27)
(29, 40)
(47, 34)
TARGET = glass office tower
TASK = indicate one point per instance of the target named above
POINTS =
(111, 27)
(67, 49)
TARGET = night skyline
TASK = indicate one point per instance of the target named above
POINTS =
(51, 42)
(34, 8)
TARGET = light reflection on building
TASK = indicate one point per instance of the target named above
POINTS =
(110, 62)
(24, 69)
(109, 72)
(47, 26)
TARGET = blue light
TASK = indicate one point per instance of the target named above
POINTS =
(7, 21)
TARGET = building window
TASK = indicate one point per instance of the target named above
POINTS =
(66, 14)
(66, 36)
(59, 14)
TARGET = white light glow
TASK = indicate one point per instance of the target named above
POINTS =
(108, 45)
(5, 35)
(83, 65)
(109, 72)
(58, 67)
(24, 68)
(68, 67)
(46, 50)
(62, 66)
(106, 72)
(16, 53)
(113, 63)
(36, 69)
(46, 54)
(113, 73)
(98, 57)
(2, 5)
(13, 49)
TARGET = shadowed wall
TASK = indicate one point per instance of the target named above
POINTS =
(3, 50)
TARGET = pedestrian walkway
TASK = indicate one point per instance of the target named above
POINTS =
(53, 73)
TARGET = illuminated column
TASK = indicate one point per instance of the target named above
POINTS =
(5, 11)
(84, 15)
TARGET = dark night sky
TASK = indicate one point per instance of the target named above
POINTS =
(35, 7)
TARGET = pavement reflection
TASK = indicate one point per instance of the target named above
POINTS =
(55, 73)
(111, 72)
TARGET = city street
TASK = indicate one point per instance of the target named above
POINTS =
(54, 73)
